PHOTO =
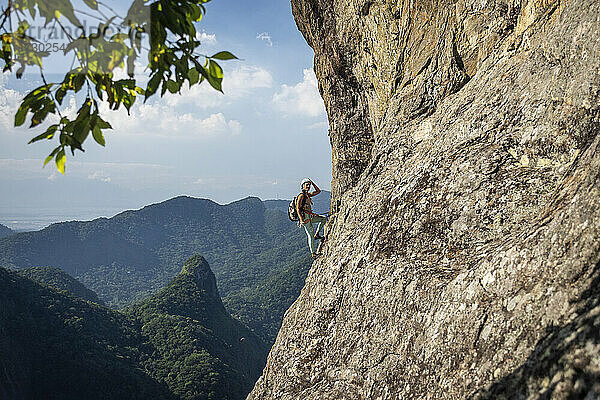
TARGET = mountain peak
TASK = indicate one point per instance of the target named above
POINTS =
(198, 267)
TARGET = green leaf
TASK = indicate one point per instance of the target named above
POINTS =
(214, 82)
(78, 81)
(153, 85)
(48, 159)
(93, 4)
(60, 95)
(61, 158)
(81, 129)
(215, 70)
(80, 44)
(224, 55)
(196, 13)
(21, 114)
(51, 156)
(193, 76)
(98, 136)
(20, 71)
(172, 86)
(131, 65)
(49, 134)
(102, 124)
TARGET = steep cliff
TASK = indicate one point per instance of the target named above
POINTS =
(463, 261)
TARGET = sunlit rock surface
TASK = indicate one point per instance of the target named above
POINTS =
(463, 261)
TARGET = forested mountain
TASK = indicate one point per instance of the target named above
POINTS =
(56, 346)
(131, 255)
(187, 317)
(178, 344)
(60, 280)
(5, 231)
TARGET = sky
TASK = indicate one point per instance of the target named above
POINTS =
(261, 138)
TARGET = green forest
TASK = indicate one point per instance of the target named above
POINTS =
(179, 343)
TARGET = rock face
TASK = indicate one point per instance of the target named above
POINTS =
(464, 259)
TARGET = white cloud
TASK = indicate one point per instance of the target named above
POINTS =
(217, 125)
(243, 80)
(206, 39)
(238, 83)
(202, 96)
(266, 37)
(301, 99)
(9, 103)
(235, 127)
(159, 118)
(205, 181)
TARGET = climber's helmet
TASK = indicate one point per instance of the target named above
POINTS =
(305, 181)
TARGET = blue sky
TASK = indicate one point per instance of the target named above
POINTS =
(261, 138)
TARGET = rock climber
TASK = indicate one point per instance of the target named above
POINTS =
(307, 217)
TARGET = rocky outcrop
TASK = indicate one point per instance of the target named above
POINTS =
(464, 258)
(198, 267)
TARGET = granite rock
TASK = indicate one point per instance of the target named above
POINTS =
(463, 260)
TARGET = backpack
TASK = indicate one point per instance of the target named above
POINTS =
(292, 213)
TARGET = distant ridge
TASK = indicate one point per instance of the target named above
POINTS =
(5, 231)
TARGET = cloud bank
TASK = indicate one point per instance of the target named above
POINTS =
(302, 99)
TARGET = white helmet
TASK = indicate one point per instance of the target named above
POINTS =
(304, 181)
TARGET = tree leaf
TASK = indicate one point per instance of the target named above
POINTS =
(224, 55)
(98, 136)
(20, 71)
(153, 85)
(61, 158)
(49, 134)
(193, 76)
(48, 159)
(93, 4)
(21, 114)
(78, 81)
(215, 69)
(172, 86)
(102, 124)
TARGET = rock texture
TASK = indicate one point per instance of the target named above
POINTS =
(464, 258)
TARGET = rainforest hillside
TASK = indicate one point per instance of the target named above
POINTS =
(178, 344)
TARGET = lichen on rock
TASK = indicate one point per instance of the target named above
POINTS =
(464, 257)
